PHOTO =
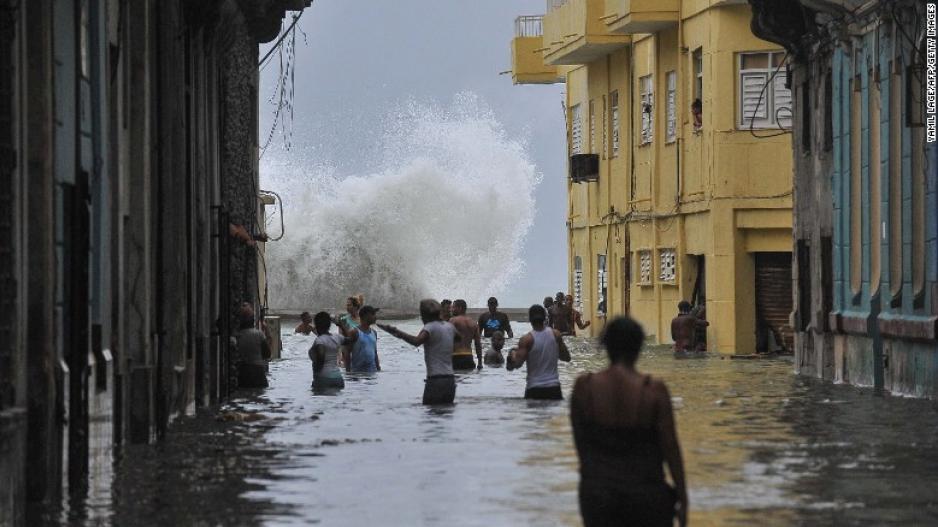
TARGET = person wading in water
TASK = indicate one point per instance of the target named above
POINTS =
(576, 318)
(494, 320)
(438, 339)
(446, 309)
(623, 429)
(327, 376)
(348, 321)
(541, 349)
(684, 329)
(494, 357)
(560, 315)
(469, 333)
(364, 339)
(305, 326)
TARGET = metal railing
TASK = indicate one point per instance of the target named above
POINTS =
(554, 4)
(529, 26)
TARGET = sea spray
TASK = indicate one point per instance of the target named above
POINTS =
(444, 215)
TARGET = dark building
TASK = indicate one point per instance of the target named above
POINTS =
(128, 159)
(865, 205)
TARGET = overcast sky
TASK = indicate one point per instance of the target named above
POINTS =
(362, 57)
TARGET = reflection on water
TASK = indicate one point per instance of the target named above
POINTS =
(761, 447)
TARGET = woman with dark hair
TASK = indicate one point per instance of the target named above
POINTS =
(623, 427)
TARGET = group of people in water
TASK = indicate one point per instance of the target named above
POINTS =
(622, 420)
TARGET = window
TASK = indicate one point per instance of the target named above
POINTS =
(856, 237)
(578, 282)
(601, 283)
(698, 73)
(605, 131)
(764, 101)
(806, 116)
(875, 188)
(828, 112)
(644, 267)
(895, 188)
(614, 119)
(671, 110)
(593, 127)
(647, 109)
(668, 265)
(576, 130)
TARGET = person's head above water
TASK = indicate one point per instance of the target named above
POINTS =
(537, 314)
(493, 304)
(429, 310)
(459, 307)
(322, 321)
(354, 303)
(683, 307)
(305, 317)
(622, 338)
(368, 314)
(498, 340)
(548, 301)
(246, 316)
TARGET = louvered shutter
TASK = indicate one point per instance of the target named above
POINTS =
(576, 130)
(671, 110)
(752, 107)
(782, 97)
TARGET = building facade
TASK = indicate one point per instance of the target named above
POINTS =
(680, 172)
(128, 203)
(866, 290)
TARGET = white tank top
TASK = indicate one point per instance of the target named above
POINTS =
(542, 360)
(438, 349)
(330, 344)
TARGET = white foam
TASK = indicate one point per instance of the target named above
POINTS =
(445, 216)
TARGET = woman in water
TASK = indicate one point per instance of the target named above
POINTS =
(349, 320)
(623, 428)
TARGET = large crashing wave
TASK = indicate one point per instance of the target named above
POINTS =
(444, 216)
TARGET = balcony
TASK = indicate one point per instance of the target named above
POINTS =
(527, 53)
(575, 33)
(631, 17)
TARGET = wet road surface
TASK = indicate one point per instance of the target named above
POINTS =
(761, 446)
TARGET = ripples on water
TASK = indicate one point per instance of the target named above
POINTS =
(761, 446)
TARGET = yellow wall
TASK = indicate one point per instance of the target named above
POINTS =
(728, 197)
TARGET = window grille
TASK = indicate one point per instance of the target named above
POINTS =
(644, 267)
(671, 132)
(668, 262)
(576, 130)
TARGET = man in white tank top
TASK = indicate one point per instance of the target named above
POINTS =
(541, 349)
(438, 339)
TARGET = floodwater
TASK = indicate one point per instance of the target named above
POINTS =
(761, 446)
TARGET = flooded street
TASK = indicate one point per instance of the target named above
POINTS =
(760, 445)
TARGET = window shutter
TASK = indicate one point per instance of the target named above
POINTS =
(782, 105)
(576, 130)
(671, 109)
(752, 84)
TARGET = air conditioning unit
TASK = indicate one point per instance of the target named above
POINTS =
(584, 167)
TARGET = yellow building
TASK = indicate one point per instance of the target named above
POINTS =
(665, 206)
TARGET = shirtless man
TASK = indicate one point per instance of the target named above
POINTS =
(494, 357)
(306, 324)
(548, 303)
(684, 329)
(559, 315)
(468, 329)
(576, 319)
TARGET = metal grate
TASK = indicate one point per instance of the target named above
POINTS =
(529, 26)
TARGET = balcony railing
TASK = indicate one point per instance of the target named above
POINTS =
(529, 26)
